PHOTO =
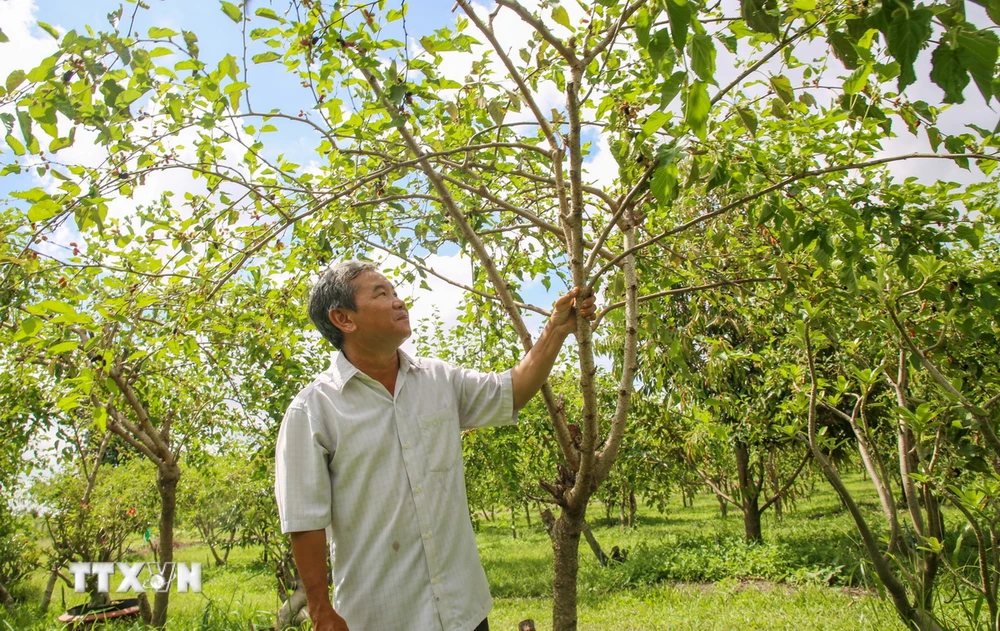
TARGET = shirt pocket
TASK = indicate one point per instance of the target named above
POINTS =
(441, 438)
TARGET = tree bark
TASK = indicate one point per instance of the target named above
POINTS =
(749, 494)
(168, 475)
(595, 546)
(50, 586)
(566, 565)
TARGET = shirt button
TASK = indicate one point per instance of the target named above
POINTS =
(427, 535)
(435, 580)
(406, 445)
(416, 490)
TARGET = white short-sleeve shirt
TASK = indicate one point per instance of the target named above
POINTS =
(384, 475)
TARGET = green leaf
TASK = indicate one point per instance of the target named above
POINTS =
(948, 73)
(655, 121)
(232, 11)
(843, 49)
(560, 16)
(702, 53)
(679, 14)
(663, 184)
(760, 17)
(978, 53)
(671, 88)
(191, 43)
(15, 145)
(263, 58)
(905, 34)
(52, 306)
(48, 29)
(954, 144)
(100, 418)
(992, 9)
(3, 37)
(783, 88)
(749, 119)
(31, 325)
(643, 22)
(14, 79)
(44, 209)
(265, 12)
(497, 111)
(696, 107)
(156, 32)
(659, 45)
(63, 347)
(858, 80)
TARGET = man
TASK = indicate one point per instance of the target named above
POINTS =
(371, 452)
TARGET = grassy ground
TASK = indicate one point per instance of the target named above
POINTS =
(687, 569)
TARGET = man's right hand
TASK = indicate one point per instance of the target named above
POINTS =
(326, 619)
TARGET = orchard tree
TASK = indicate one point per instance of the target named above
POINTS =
(716, 123)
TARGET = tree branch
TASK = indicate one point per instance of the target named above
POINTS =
(472, 290)
(788, 484)
(681, 290)
(438, 181)
(763, 60)
(779, 185)
(590, 55)
(522, 87)
(539, 26)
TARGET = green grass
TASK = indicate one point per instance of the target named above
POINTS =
(687, 569)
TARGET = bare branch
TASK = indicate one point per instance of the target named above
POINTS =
(716, 489)
(681, 290)
(542, 30)
(471, 290)
(590, 55)
(788, 484)
(145, 424)
(763, 60)
(522, 87)
(619, 208)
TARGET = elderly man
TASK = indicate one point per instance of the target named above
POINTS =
(371, 452)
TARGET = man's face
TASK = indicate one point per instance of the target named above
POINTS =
(381, 316)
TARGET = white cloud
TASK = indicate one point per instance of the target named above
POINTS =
(28, 44)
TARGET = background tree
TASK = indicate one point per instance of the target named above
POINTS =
(445, 162)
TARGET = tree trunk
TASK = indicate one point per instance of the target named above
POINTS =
(875, 471)
(527, 514)
(622, 522)
(749, 494)
(6, 598)
(566, 565)
(513, 523)
(229, 546)
(632, 507)
(723, 506)
(50, 586)
(772, 473)
(167, 476)
(594, 545)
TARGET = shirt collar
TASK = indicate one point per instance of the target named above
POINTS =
(341, 369)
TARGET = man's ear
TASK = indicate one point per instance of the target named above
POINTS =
(342, 319)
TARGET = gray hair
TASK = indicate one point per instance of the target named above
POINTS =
(333, 290)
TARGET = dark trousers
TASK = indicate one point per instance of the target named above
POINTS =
(483, 626)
